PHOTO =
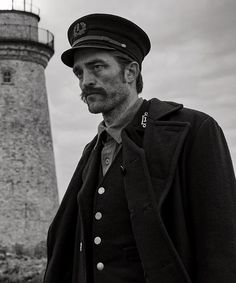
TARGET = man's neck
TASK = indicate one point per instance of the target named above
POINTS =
(116, 113)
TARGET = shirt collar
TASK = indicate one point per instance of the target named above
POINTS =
(115, 129)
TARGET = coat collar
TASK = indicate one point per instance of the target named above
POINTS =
(160, 109)
(163, 139)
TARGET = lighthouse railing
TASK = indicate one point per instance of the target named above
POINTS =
(26, 6)
(17, 32)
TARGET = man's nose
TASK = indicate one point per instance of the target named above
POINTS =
(88, 79)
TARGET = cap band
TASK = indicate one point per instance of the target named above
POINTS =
(99, 38)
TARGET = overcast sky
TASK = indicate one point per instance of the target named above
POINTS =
(192, 61)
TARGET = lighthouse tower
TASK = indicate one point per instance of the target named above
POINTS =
(28, 188)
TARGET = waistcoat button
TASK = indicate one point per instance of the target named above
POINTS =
(100, 266)
(98, 216)
(97, 240)
(101, 191)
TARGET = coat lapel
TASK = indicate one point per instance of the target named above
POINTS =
(85, 196)
(162, 143)
(85, 208)
(149, 174)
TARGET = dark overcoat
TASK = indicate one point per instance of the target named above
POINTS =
(181, 193)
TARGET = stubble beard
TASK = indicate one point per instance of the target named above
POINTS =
(111, 101)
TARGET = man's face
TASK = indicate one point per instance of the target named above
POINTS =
(102, 82)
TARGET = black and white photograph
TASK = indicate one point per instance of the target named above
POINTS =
(117, 141)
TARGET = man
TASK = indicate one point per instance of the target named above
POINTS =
(153, 198)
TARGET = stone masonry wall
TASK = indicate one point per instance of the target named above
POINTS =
(18, 25)
(18, 18)
(28, 189)
(33, 52)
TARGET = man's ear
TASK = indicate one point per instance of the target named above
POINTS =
(131, 71)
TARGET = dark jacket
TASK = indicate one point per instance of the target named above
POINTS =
(181, 193)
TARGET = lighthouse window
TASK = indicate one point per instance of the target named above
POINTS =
(7, 77)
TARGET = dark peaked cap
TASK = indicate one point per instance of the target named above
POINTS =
(105, 31)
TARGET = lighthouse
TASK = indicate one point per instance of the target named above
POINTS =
(28, 187)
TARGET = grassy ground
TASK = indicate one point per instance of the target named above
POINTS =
(21, 268)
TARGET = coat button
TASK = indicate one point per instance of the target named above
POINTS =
(97, 240)
(100, 266)
(98, 215)
(101, 190)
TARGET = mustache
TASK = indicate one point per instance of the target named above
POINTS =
(91, 90)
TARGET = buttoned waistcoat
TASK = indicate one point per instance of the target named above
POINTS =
(181, 194)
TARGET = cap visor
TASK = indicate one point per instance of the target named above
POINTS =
(67, 57)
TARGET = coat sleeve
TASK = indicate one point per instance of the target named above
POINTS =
(62, 231)
(212, 194)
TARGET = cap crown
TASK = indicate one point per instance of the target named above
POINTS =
(108, 32)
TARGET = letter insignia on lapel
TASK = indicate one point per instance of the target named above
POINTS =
(144, 120)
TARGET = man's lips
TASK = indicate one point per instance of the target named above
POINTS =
(94, 92)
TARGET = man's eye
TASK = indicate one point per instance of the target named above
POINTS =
(97, 67)
(79, 75)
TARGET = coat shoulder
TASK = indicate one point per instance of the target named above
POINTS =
(194, 115)
(172, 111)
